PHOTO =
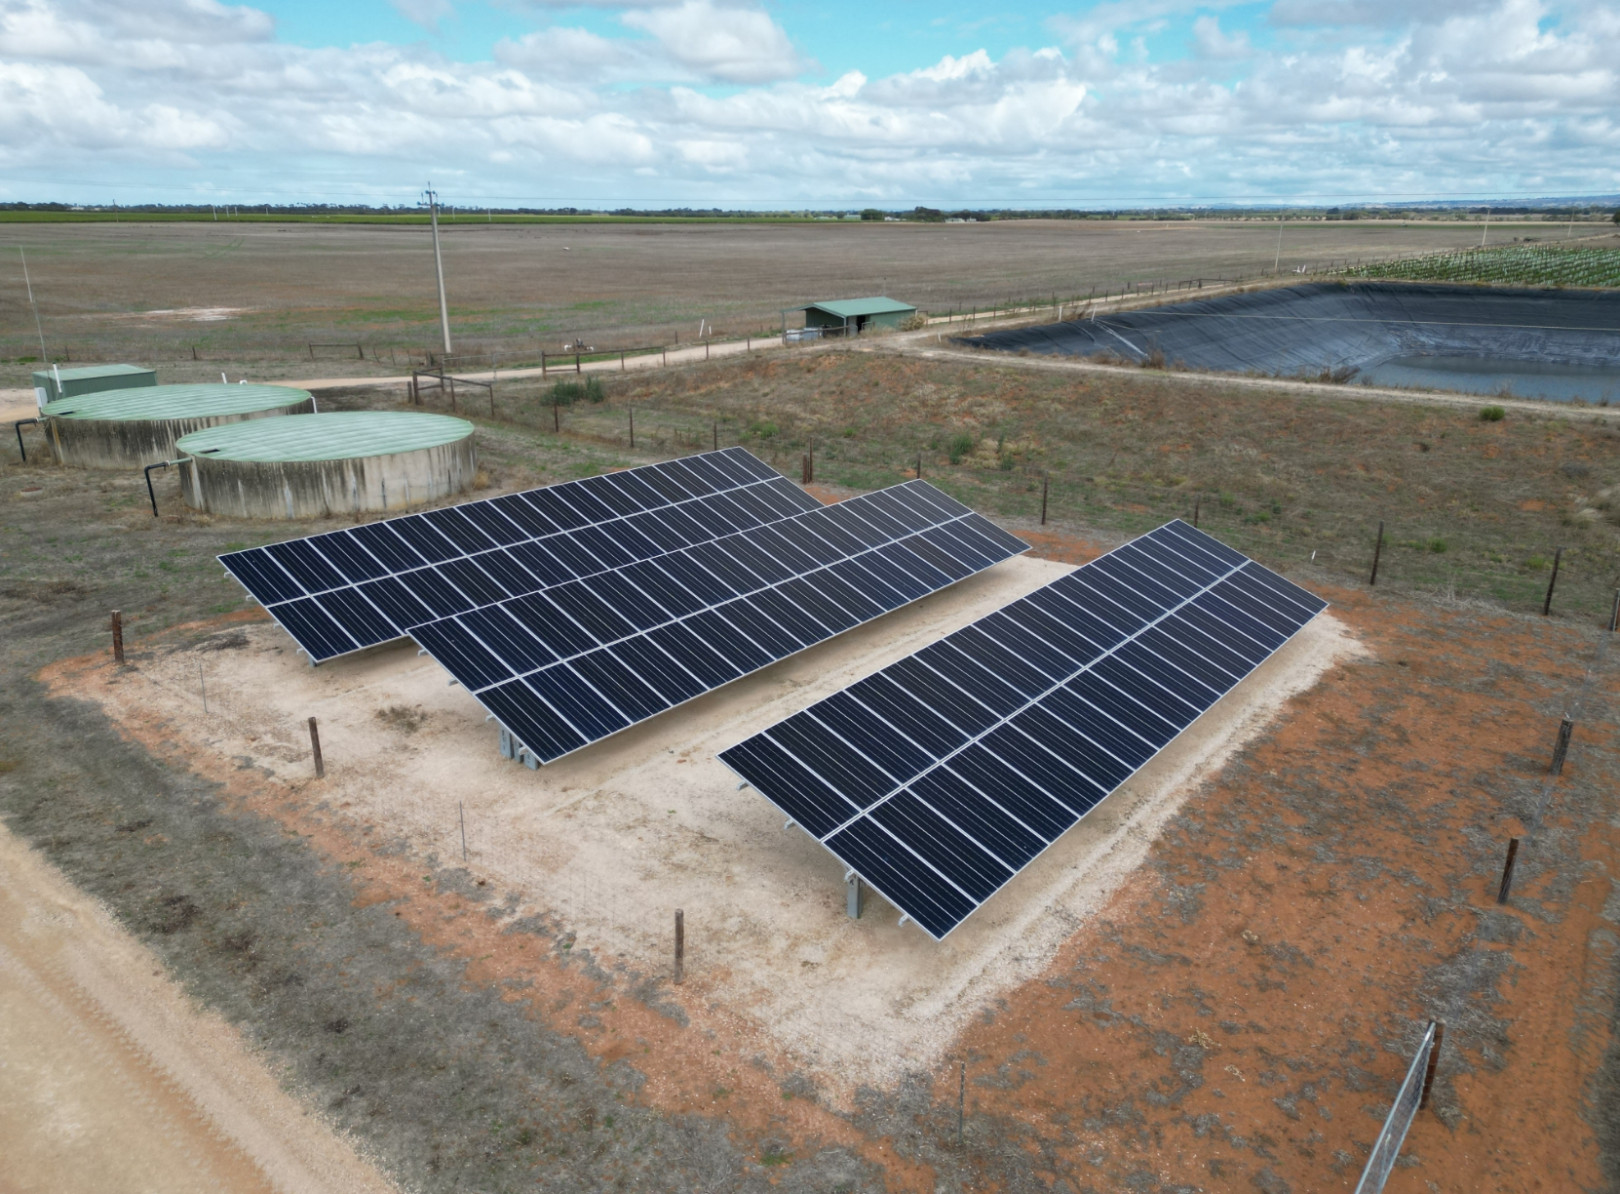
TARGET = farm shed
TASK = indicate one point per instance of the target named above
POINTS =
(856, 315)
(51, 384)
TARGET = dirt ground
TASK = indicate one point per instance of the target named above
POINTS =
(253, 297)
(114, 1081)
(605, 844)
(1234, 1015)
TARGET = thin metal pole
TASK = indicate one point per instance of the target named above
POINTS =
(680, 945)
(717, 448)
(810, 474)
(438, 265)
(1614, 613)
(632, 426)
(919, 466)
(1197, 501)
(118, 637)
(1378, 550)
(1507, 871)
(315, 749)
(556, 416)
(1546, 605)
(38, 327)
(1045, 480)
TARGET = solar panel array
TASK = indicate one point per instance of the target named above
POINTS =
(346, 590)
(570, 665)
(940, 777)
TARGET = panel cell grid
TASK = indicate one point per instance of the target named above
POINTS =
(939, 777)
(619, 648)
(346, 590)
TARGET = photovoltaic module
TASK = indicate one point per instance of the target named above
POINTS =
(940, 777)
(694, 573)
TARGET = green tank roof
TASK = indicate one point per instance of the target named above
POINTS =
(174, 402)
(341, 435)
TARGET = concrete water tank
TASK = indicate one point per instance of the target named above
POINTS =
(346, 462)
(135, 427)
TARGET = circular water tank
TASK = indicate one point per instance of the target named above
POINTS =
(308, 466)
(132, 428)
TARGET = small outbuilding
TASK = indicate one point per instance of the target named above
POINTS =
(851, 317)
(51, 384)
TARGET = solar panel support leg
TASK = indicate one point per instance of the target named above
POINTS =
(852, 896)
(530, 759)
(508, 751)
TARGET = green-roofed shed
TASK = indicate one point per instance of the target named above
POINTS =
(51, 384)
(853, 316)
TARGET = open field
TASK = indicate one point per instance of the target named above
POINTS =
(1473, 509)
(250, 297)
(1232, 1014)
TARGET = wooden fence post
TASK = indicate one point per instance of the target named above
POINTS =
(1197, 502)
(118, 636)
(680, 945)
(1378, 550)
(1507, 871)
(1546, 605)
(1045, 481)
(1565, 729)
(1434, 1060)
(632, 427)
(315, 749)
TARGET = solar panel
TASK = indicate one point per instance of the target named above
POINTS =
(346, 590)
(940, 777)
(564, 667)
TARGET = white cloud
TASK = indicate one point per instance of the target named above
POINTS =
(1209, 41)
(426, 13)
(720, 41)
(709, 101)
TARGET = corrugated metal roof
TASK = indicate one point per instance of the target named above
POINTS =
(174, 402)
(850, 308)
(90, 372)
(341, 435)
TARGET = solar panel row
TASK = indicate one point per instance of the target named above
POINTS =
(941, 776)
(568, 666)
(345, 590)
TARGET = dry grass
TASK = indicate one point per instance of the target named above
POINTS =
(1474, 509)
(518, 289)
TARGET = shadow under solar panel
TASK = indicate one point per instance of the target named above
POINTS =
(938, 778)
(354, 588)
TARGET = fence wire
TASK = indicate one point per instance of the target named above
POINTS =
(1393, 1134)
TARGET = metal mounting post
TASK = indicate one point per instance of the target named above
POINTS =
(852, 895)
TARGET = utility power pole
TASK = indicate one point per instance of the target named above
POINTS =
(432, 203)
(1276, 266)
(38, 327)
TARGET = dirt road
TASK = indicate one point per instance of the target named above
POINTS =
(113, 1081)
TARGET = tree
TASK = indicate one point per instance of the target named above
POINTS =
(873, 213)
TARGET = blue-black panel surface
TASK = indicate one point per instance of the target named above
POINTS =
(939, 777)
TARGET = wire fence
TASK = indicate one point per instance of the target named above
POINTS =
(1412, 1095)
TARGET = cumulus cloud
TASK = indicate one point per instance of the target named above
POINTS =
(737, 45)
(710, 101)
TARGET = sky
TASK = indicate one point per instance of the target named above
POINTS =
(788, 104)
